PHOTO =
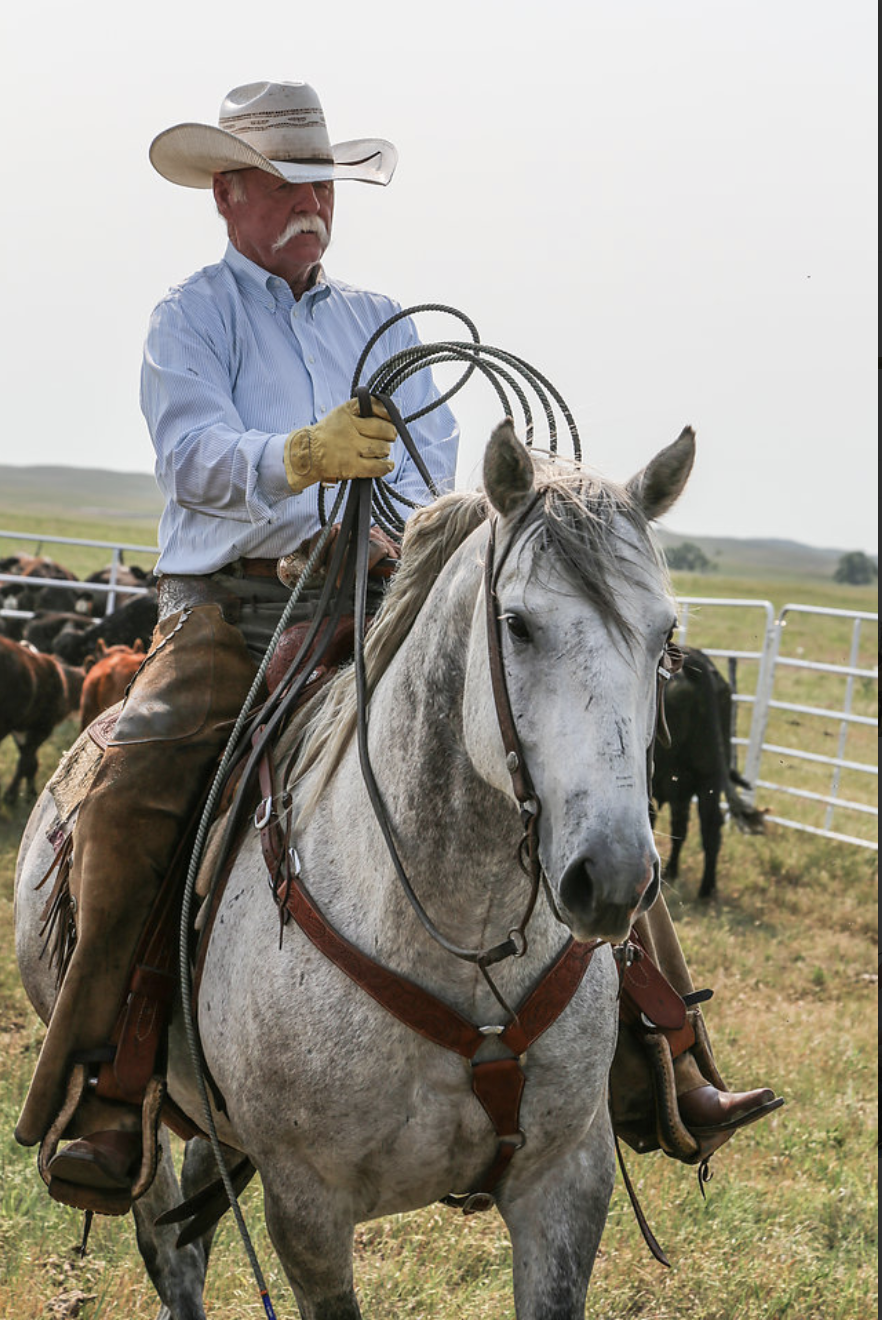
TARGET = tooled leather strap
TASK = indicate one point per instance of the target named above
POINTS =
(497, 1083)
(419, 1009)
(671, 663)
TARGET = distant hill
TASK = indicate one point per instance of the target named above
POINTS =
(748, 558)
(94, 493)
(79, 492)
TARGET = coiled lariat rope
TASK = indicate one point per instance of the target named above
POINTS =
(348, 569)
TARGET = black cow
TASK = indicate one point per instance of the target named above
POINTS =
(42, 630)
(698, 709)
(132, 622)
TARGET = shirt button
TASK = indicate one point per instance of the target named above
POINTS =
(310, 358)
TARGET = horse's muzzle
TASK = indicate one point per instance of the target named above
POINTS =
(596, 906)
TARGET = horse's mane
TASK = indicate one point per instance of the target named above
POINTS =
(574, 519)
(431, 536)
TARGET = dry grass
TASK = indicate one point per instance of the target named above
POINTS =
(787, 1232)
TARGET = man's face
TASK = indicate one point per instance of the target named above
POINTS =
(283, 227)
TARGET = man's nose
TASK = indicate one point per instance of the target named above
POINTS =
(306, 199)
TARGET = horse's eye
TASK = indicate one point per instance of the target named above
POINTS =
(517, 628)
(673, 657)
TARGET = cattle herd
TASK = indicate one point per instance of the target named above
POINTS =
(71, 658)
(61, 653)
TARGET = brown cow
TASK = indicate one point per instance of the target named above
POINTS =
(36, 566)
(36, 692)
(108, 674)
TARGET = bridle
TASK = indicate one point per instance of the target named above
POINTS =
(529, 804)
(515, 944)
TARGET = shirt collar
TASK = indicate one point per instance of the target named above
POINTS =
(268, 288)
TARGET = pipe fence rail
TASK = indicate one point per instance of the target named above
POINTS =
(788, 690)
(110, 588)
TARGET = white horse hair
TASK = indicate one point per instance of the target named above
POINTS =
(346, 1113)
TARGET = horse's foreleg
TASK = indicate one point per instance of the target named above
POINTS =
(199, 1170)
(178, 1275)
(314, 1244)
(555, 1222)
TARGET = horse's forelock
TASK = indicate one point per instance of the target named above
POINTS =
(578, 523)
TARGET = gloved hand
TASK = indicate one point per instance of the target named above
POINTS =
(341, 446)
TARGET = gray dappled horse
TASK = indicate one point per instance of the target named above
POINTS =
(346, 1112)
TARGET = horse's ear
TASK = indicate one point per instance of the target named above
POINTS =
(658, 487)
(508, 470)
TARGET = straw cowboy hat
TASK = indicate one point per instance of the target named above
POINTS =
(277, 127)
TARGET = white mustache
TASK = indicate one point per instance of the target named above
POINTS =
(303, 224)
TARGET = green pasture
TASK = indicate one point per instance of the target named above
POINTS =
(788, 1230)
(79, 559)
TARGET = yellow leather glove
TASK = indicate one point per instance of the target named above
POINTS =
(341, 446)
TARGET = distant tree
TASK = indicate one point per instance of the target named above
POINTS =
(856, 568)
(689, 558)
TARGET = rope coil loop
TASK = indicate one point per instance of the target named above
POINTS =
(511, 378)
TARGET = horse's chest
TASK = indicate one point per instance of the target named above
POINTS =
(369, 1102)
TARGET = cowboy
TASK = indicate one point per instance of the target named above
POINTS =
(245, 388)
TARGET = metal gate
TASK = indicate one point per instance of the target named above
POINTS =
(825, 783)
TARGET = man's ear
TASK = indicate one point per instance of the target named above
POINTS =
(220, 186)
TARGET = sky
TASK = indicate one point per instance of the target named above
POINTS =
(668, 207)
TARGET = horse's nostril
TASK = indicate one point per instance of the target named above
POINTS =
(650, 891)
(577, 886)
(602, 898)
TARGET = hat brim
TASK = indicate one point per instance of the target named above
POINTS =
(191, 154)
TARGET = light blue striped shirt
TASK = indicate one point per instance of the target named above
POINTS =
(232, 364)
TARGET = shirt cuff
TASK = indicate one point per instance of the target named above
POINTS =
(271, 470)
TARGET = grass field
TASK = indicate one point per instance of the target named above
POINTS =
(788, 1230)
